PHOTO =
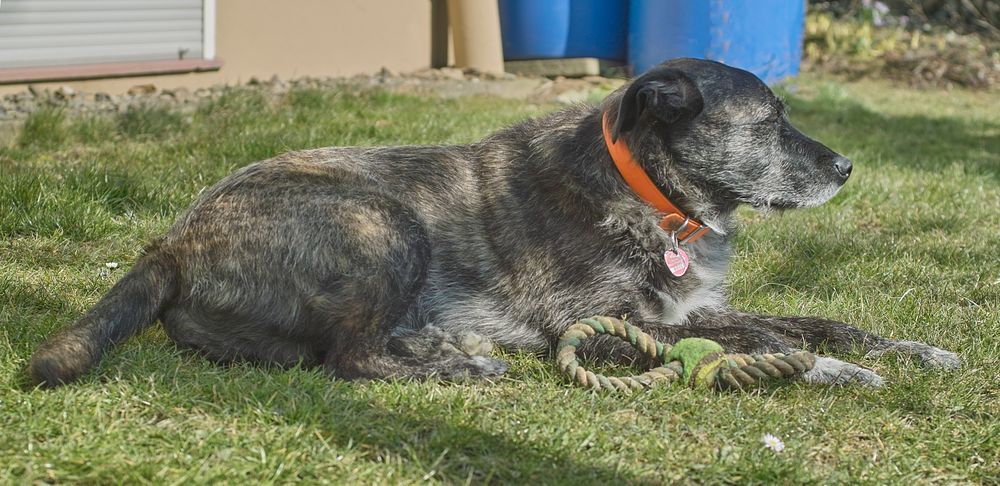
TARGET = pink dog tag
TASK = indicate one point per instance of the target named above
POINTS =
(677, 261)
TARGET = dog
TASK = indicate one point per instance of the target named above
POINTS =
(415, 261)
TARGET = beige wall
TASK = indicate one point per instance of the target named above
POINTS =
(293, 38)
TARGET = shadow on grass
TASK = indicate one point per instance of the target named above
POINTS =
(468, 452)
(813, 260)
(347, 415)
(910, 142)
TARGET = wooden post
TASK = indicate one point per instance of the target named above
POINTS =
(475, 30)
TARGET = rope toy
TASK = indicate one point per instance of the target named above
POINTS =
(698, 362)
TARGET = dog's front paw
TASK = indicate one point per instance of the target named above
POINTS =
(938, 358)
(470, 367)
(488, 366)
(836, 372)
(474, 344)
(928, 355)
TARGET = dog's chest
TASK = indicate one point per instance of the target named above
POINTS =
(674, 307)
(670, 297)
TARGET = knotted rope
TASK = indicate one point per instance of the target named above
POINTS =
(696, 361)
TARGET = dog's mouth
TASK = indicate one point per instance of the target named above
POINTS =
(780, 202)
(771, 204)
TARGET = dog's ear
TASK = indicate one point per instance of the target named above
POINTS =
(668, 93)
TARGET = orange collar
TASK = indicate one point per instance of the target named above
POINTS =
(674, 221)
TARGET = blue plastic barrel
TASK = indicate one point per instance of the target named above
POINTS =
(761, 36)
(553, 29)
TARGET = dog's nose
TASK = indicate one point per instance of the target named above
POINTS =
(843, 166)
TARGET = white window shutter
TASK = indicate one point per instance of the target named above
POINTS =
(36, 33)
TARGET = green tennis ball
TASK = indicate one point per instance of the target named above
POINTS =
(705, 372)
(701, 359)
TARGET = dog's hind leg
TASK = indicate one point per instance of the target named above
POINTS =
(816, 333)
(216, 341)
(434, 341)
(327, 280)
(389, 366)
(429, 352)
(373, 307)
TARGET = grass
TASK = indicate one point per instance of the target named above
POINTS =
(909, 249)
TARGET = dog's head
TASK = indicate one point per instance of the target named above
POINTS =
(725, 130)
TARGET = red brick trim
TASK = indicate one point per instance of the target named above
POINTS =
(116, 70)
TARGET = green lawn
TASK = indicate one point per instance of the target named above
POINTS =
(909, 249)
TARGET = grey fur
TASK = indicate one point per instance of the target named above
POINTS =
(410, 261)
(836, 372)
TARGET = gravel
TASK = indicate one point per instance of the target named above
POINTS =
(447, 82)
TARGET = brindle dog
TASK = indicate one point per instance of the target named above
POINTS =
(413, 261)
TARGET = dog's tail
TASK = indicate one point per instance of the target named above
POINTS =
(133, 304)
